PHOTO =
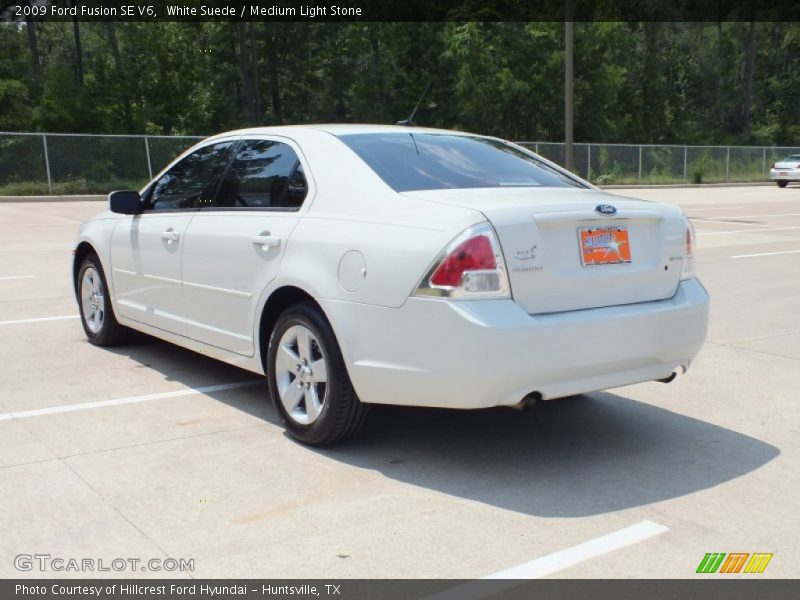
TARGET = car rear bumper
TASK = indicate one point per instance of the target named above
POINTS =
(784, 174)
(477, 354)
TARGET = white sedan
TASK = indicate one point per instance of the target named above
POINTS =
(785, 170)
(358, 264)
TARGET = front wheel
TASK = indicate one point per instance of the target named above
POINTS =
(308, 380)
(782, 184)
(97, 315)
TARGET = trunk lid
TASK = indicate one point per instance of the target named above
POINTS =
(787, 164)
(540, 233)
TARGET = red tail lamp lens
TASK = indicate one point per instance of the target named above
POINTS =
(474, 254)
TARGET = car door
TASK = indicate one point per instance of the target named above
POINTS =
(234, 247)
(146, 248)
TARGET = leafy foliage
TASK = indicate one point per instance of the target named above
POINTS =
(634, 82)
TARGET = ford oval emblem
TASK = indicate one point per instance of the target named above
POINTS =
(605, 209)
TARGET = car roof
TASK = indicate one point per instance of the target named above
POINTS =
(338, 129)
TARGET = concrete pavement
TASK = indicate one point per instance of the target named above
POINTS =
(210, 476)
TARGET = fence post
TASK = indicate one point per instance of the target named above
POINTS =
(147, 151)
(536, 148)
(588, 161)
(47, 165)
(728, 165)
(764, 160)
(685, 157)
(639, 180)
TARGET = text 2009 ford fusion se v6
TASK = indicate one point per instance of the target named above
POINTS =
(360, 264)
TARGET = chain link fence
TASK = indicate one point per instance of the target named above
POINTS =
(55, 163)
(33, 164)
(606, 164)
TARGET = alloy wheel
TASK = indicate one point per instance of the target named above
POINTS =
(93, 302)
(301, 374)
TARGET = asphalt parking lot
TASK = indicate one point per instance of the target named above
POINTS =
(640, 481)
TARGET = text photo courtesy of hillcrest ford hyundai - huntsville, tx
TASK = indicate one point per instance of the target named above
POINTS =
(299, 307)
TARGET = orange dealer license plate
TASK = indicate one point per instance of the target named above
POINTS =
(604, 245)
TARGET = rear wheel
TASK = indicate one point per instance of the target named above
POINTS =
(782, 184)
(97, 315)
(308, 380)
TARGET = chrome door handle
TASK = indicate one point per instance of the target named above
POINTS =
(170, 235)
(266, 241)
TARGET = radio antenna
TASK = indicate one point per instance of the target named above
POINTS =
(409, 122)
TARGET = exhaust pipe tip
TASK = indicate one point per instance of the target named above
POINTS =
(527, 402)
(669, 379)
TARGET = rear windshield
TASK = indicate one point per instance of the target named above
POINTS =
(791, 158)
(433, 161)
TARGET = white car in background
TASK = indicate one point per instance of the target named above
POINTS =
(786, 170)
(359, 264)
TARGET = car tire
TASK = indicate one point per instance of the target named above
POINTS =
(94, 302)
(317, 407)
(782, 184)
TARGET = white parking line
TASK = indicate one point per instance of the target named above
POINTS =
(24, 414)
(766, 254)
(745, 230)
(551, 563)
(558, 561)
(721, 221)
(9, 277)
(715, 208)
(751, 216)
(39, 320)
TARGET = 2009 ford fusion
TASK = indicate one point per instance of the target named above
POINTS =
(358, 264)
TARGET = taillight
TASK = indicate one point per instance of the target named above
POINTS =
(473, 254)
(471, 267)
(688, 256)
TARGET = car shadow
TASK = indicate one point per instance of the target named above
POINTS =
(195, 370)
(574, 457)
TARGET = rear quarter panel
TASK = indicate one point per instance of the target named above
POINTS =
(359, 240)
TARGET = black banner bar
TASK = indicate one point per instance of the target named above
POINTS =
(399, 10)
(739, 588)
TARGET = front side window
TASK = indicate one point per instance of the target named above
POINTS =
(264, 174)
(434, 161)
(192, 181)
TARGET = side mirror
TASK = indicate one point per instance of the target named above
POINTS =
(126, 202)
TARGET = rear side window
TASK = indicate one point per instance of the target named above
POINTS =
(297, 189)
(427, 161)
(264, 174)
(191, 182)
